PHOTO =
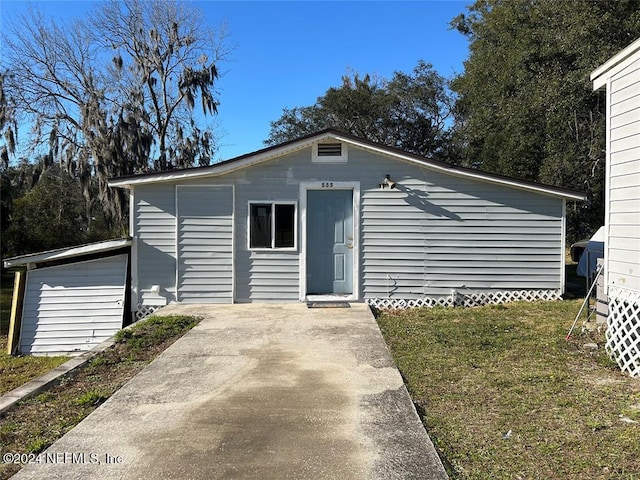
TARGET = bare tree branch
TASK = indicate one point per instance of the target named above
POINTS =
(114, 94)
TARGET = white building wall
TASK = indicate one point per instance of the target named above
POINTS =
(623, 170)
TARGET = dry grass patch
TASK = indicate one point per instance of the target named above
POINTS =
(34, 424)
(16, 371)
(504, 396)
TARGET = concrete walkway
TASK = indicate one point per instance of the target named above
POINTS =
(256, 391)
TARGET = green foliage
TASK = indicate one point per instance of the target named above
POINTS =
(154, 330)
(44, 397)
(15, 371)
(98, 361)
(92, 397)
(409, 112)
(6, 298)
(37, 445)
(52, 214)
(526, 106)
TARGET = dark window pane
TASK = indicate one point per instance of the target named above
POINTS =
(285, 221)
(260, 226)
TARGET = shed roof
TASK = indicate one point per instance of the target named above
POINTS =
(616, 63)
(275, 151)
(68, 252)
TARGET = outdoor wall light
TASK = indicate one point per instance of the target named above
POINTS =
(387, 182)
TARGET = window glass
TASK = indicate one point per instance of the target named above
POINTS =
(260, 226)
(272, 225)
(285, 226)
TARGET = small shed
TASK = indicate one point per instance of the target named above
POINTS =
(73, 298)
(619, 77)
(333, 216)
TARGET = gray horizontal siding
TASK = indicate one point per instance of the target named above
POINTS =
(205, 244)
(266, 275)
(72, 308)
(623, 246)
(436, 232)
(155, 240)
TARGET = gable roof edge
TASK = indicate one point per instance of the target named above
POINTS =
(461, 171)
(225, 166)
(271, 152)
(68, 252)
(617, 62)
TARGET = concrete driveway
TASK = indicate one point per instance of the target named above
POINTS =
(256, 391)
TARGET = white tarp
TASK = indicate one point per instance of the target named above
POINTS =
(595, 249)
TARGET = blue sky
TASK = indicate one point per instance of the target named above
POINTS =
(288, 53)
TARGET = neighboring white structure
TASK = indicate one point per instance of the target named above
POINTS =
(620, 76)
(74, 298)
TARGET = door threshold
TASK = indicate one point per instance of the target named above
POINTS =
(331, 297)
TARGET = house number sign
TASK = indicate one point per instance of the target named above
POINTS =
(327, 184)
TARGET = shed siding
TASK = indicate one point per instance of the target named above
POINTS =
(205, 244)
(155, 239)
(72, 308)
(623, 248)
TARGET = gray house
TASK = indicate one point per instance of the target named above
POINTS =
(332, 216)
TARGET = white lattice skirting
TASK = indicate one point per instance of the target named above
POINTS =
(623, 329)
(145, 310)
(459, 299)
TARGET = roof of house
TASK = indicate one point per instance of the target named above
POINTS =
(68, 252)
(618, 62)
(275, 151)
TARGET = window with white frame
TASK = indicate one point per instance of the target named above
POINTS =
(272, 225)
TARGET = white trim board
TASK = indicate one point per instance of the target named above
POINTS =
(65, 253)
(614, 65)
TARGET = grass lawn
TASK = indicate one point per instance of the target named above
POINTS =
(34, 424)
(504, 396)
(15, 371)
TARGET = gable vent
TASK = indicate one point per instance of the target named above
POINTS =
(329, 149)
(335, 152)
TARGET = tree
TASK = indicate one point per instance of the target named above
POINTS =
(409, 112)
(525, 103)
(49, 215)
(8, 133)
(115, 94)
(8, 124)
